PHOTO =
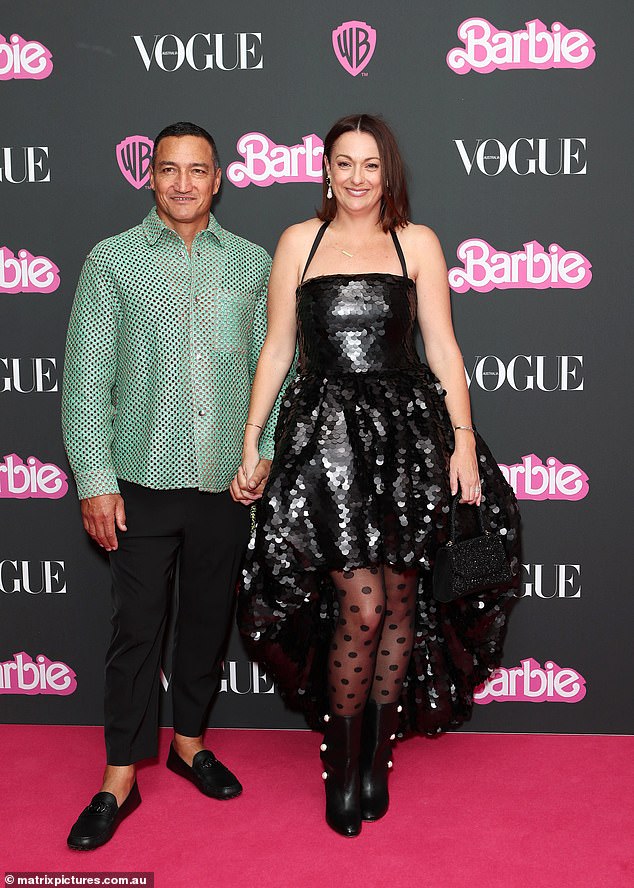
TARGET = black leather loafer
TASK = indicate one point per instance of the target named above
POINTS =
(207, 774)
(97, 823)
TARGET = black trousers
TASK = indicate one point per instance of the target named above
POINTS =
(210, 533)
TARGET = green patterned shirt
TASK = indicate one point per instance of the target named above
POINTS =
(161, 352)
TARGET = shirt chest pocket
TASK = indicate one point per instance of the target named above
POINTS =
(226, 321)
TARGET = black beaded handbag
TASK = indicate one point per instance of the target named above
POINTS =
(472, 565)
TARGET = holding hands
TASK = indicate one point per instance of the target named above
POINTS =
(251, 477)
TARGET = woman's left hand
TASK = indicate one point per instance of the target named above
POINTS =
(464, 475)
(251, 477)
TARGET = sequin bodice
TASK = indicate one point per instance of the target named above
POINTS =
(360, 323)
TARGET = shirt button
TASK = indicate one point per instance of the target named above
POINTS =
(201, 412)
(198, 357)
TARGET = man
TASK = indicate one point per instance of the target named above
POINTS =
(167, 324)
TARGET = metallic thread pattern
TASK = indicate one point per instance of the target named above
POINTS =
(161, 353)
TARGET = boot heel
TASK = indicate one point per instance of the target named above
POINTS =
(380, 722)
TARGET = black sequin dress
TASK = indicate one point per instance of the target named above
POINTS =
(361, 478)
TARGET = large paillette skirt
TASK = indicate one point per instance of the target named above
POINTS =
(361, 479)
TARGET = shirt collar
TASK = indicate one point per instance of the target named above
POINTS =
(153, 227)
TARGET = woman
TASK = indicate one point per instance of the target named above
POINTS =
(369, 450)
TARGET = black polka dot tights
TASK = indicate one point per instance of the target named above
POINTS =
(372, 642)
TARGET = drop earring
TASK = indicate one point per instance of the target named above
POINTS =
(329, 192)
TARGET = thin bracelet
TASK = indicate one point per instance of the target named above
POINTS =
(254, 424)
(465, 428)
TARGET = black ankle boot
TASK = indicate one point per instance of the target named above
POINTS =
(380, 721)
(340, 756)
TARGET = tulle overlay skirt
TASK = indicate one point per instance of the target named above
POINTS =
(361, 479)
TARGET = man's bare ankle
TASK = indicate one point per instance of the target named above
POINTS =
(118, 780)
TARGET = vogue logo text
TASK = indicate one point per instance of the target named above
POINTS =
(28, 163)
(525, 157)
(201, 52)
(32, 577)
(524, 373)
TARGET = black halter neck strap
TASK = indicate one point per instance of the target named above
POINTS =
(313, 249)
(322, 231)
(400, 254)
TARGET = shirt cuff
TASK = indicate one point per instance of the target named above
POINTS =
(95, 483)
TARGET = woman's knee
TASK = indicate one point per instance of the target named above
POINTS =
(366, 617)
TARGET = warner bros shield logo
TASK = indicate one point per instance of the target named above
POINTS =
(133, 156)
(354, 44)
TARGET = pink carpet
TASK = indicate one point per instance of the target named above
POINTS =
(493, 811)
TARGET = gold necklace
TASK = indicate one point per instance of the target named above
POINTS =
(345, 252)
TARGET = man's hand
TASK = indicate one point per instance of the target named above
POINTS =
(246, 489)
(100, 514)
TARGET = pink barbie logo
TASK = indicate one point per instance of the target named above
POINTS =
(23, 676)
(133, 156)
(533, 480)
(31, 480)
(27, 273)
(530, 683)
(265, 162)
(22, 59)
(532, 268)
(487, 49)
(354, 44)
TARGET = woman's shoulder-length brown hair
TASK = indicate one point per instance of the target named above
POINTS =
(395, 203)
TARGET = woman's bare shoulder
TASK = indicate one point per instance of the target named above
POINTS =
(419, 237)
(423, 252)
(299, 236)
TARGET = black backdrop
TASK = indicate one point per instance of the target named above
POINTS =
(545, 362)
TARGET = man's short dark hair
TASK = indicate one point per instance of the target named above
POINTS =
(184, 128)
